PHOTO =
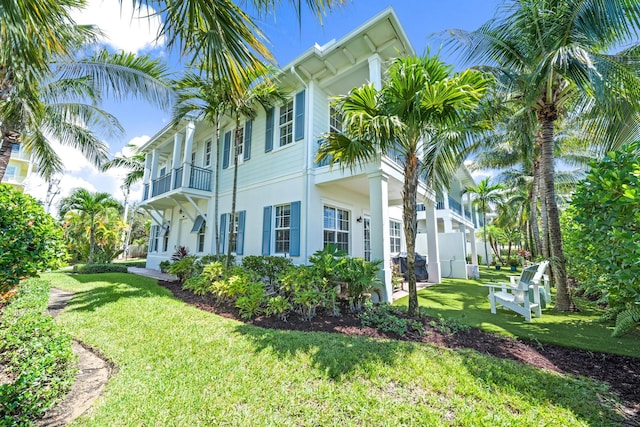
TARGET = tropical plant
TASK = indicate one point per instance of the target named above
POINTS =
(606, 208)
(485, 196)
(90, 206)
(422, 112)
(360, 277)
(562, 49)
(185, 268)
(133, 163)
(31, 240)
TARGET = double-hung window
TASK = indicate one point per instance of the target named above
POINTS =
(367, 238)
(335, 120)
(238, 135)
(394, 236)
(336, 228)
(233, 234)
(283, 229)
(286, 124)
(201, 234)
(207, 153)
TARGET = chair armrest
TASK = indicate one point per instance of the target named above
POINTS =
(502, 285)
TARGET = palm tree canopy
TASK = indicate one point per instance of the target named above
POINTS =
(134, 164)
(485, 194)
(83, 201)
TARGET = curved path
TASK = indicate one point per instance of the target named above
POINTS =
(93, 374)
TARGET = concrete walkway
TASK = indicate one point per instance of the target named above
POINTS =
(154, 274)
(93, 374)
(404, 290)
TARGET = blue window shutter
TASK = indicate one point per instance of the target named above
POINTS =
(240, 237)
(226, 149)
(248, 127)
(268, 139)
(299, 119)
(266, 231)
(294, 230)
(223, 234)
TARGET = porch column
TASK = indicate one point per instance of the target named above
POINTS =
(147, 169)
(474, 249)
(188, 148)
(175, 162)
(380, 250)
(433, 261)
(155, 158)
(375, 71)
(446, 216)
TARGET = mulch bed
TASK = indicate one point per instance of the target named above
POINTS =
(622, 373)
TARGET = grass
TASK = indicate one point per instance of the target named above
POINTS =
(179, 366)
(466, 301)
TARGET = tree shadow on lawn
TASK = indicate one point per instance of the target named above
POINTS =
(335, 355)
(338, 357)
(120, 285)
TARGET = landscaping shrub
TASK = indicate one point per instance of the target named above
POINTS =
(186, 267)
(197, 284)
(99, 268)
(360, 277)
(136, 264)
(278, 306)
(30, 241)
(250, 299)
(602, 240)
(37, 355)
(388, 319)
(268, 268)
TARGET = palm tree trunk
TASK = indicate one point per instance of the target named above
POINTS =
(535, 231)
(92, 239)
(234, 192)
(5, 155)
(559, 263)
(409, 216)
(216, 191)
(484, 229)
(546, 253)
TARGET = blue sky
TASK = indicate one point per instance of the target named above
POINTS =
(421, 19)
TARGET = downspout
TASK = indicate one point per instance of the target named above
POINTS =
(307, 171)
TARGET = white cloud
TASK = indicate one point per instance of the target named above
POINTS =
(37, 187)
(124, 27)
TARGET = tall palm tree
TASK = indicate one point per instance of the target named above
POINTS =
(82, 201)
(205, 98)
(485, 195)
(415, 113)
(259, 90)
(563, 50)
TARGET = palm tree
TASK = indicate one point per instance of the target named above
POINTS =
(562, 50)
(485, 195)
(258, 90)
(204, 98)
(415, 113)
(134, 163)
(82, 201)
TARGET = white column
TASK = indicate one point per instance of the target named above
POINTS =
(175, 162)
(379, 207)
(188, 148)
(147, 169)
(375, 71)
(474, 249)
(446, 216)
(155, 158)
(433, 262)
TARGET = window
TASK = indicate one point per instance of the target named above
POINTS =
(154, 238)
(207, 153)
(336, 228)
(163, 171)
(193, 158)
(164, 233)
(201, 234)
(11, 172)
(283, 229)
(286, 124)
(394, 236)
(233, 234)
(335, 120)
(367, 238)
(240, 144)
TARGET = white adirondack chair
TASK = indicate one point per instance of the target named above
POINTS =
(515, 295)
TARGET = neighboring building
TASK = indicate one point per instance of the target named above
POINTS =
(19, 168)
(287, 204)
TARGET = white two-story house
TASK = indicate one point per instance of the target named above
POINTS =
(287, 204)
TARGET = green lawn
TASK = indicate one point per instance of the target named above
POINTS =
(179, 366)
(466, 300)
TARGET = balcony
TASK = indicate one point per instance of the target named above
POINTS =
(199, 179)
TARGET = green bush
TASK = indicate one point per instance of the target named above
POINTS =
(360, 277)
(388, 319)
(30, 241)
(164, 266)
(37, 352)
(602, 240)
(197, 284)
(251, 299)
(278, 306)
(99, 268)
(185, 267)
(268, 268)
(136, 264)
